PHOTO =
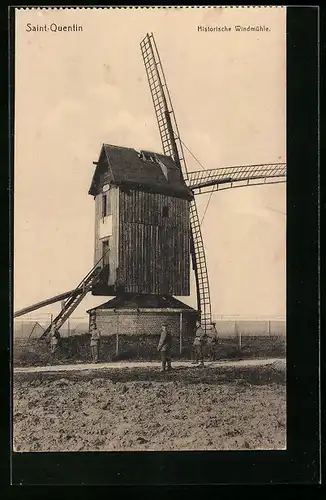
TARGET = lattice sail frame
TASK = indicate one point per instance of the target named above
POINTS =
(218, 179)
(172, 146)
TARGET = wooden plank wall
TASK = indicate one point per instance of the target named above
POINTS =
(153, 249)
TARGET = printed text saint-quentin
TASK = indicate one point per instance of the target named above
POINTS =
(54, 27)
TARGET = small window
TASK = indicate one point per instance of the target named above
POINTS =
(165, 211)
(108, 203)
(104, 206)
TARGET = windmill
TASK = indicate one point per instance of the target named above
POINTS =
(126, 179)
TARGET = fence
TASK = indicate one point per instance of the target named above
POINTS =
(29, 328)
(237, 339)
(231, 329)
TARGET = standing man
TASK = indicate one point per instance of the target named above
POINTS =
(55, 342)
(95, 339)
(212, 341)
(164, 346)
(198, 351)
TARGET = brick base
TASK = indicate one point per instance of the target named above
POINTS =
(135, 323)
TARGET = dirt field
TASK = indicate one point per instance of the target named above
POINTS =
(222, 408)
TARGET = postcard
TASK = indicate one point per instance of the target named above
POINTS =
(149, 229)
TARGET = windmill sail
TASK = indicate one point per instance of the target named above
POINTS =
(217, 179)
(172, 146)
(162, 102)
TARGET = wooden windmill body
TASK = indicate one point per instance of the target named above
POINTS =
(141, 223)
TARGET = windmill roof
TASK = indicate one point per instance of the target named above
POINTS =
(144, 170)
(144, 301)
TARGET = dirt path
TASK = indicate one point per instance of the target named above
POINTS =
(140, 364)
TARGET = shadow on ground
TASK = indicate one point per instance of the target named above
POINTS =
(254, 375)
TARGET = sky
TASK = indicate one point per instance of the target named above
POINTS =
(77, 90)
